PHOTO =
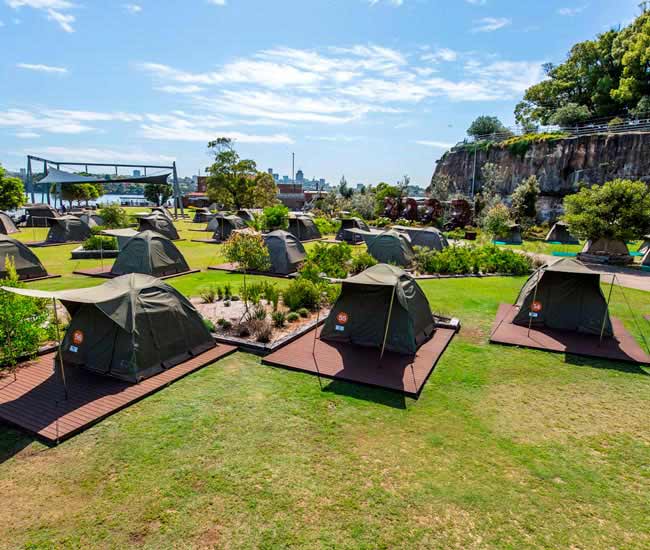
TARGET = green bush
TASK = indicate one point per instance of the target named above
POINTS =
(100, 242)
(382, 222)
(279, 318)
(327, 226)
(303, 312)
(224, 323)
(361, 262)
(519, 145)
(332, 260)
(276, 217)
(497, 221)
(293, 317)
(301, 293)
(464, 260)
(114, 216)
(209, 294)
(209, 324)
(248, 250)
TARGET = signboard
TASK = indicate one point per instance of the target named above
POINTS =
(536, 307)
(342, 318)
(77, 337)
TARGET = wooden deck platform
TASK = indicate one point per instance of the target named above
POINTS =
(32, 279)
(35, 401)
(105, 273)
(43, 244)
(622, 347)
(234, 268)
(406, 374)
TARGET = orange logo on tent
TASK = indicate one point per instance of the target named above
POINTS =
(536, 307)
(342, 318)
(77, 337)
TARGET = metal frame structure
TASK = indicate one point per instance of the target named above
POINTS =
(178, 202)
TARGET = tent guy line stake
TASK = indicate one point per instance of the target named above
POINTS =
(609, 297)
(390, 311)
(60, 351)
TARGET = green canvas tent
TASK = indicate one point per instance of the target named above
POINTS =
(383, 302)
(223, 226)
(67, 229)
(569, 297)
(303, 228)
(202, 215)
(7, 225)
(91, 219)
(160, 224)
(426, 237)
(123, 236)
(162, 210)
(391, 247)
(150, 253)
(38, 214)
(606, 250)
(513, 236)
(248, 214)
(27, 263)
(645, 245)
(559, 233)
(351, 223)
(285, 251)
(130, 328)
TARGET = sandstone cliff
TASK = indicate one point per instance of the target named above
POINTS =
(560, 165)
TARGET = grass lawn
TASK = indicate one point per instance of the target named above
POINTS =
(506, 448)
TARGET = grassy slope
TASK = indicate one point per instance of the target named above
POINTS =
(506, 448)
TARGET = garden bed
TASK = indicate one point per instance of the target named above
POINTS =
(80, 253)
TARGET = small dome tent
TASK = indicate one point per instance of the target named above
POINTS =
(150, 253)
(67, 229)
(248, 214)
(363, 315)
(162, 210)
(608, 250)
(303, 228)
(426, 237)
(202, 215)
(129, 328)
(91, 219)
(7, 225)
(285, 251)
(513, 236)
(391, 247)
(160, 224)
(568, 297)
(27, 263)
(223, 226)
(351, 223)
(559, 233)
(38, 214)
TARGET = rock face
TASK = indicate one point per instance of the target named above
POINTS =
(560, 166)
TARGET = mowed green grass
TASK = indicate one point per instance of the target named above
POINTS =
(506, 448)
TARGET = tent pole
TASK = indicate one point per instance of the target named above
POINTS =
(60, 351)
(530, 319)
(313, 348)
(602, 327)
(390, 312)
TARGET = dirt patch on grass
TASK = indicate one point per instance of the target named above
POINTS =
(540, 413)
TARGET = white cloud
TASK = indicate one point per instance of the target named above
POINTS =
(171, 89)
(2, 24)
(60, 121)
(490, 24)
(396, 3)
(42, 68)
(159, 132)
(477, 2)
(435, 144)
(335, 139)
(27, 135)
(571, 12)
(217, 2)
(54, 9)
(439, 55)
(97, 154)
(133, 8)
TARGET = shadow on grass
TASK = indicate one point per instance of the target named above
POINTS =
(595, 363)
(12, 442)
(367, 393)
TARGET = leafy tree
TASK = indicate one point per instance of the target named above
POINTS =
(384, 191)
(642, 108)
(248, 250)
(235, 182)
(486, 125)
(79, 192)
(570, 115)
(23, 319)
(619, 209)
(12, 191)
(497, 220)
(363, 204)
(114, 216)
(524, 201)
(276, 217)
(158, 193)
(345, 191)
(632, 47)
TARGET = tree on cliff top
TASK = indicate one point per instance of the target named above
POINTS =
(486, 125)
(606, 76)
(619, 209)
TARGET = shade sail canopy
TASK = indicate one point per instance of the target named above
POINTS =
(159, 223)
(7, 225)
(60, 176)
(568, 297)
(361, 314)
(303, 228)
(131, 327)
(285, 251)
(149, 253)
(65, 229)
(27, 263)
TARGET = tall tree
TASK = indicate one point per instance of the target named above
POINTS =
(158, 192)
(12, 191)
(486, 125)
(233, 181)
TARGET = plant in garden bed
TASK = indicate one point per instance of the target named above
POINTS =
(276, 217)
(303, 312)
(293, 317)
(209, 294)
(361, 262)
(301, 293)
(100, 242)
(465, 260)
(114, 216)
(327, 226)
(279, 318)
(332, 260)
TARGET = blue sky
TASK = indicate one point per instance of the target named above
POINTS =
(373, 89)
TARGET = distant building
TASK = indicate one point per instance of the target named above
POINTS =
(300, 177)
(136, 173)
(270, 171)
(276, 177)
(285, 179)
(201, 184)
(291, 195)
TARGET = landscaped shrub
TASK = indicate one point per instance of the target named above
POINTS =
(227, 291)
(263, 331)
(303, 312)
(258, 312)
(382, 222)
(114, 216)
(464, 260)
(276, 217)
(293, 317)
(332, 260)
(100, 242)
(209, 294)
(362, 262)
(224, 323)
(208, 324)
(497, 221)
(327, 226)
(279, 318)
(301, 293)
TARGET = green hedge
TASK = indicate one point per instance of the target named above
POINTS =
(463, 260)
